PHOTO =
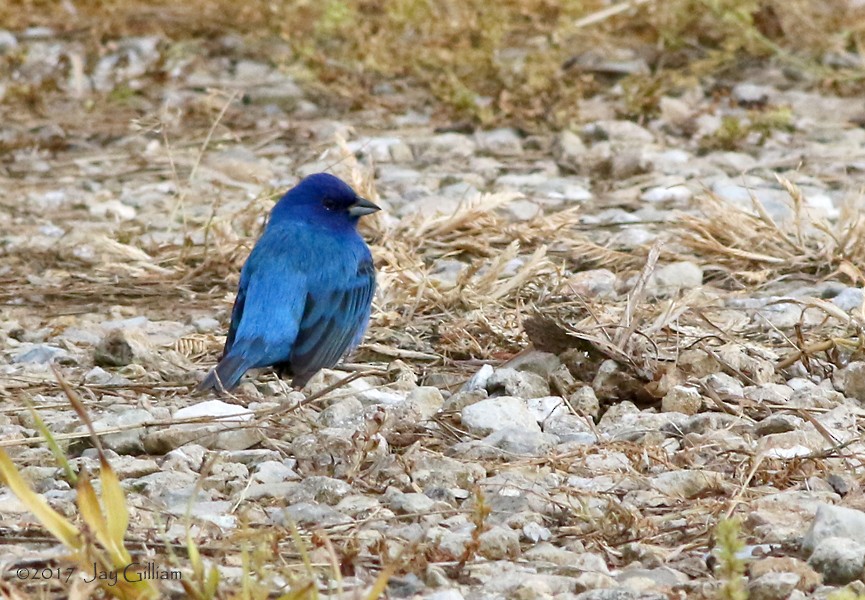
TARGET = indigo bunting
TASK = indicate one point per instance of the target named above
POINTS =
(306, 289)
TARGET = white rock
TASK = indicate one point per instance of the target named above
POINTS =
(214, 409)
(673, 193)
(547, 407)
(500, 142)
(834, 521)
(493, 414)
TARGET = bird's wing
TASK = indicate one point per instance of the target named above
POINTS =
(269, 305)
(236, 312)
(334, 319)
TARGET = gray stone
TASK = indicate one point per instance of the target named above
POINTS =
(594, 283)
(320, 489)
(130, 467)
(675, 112)
(724, 385)
(112, 210)
(462, 399)
(122, 347)
(775, 200)
(412, 503)
(421, 404)
(813, 396)
(436, 148)
(522, 384)
(751, 93)
(618, 131)
(186, 458)
(452, 594)
(272, 471)
(8, 41)
(255, 456)
(613, 382)
(382, 149)
(460, 191)
(345, 413)
(507, 442)
(660, 577)
(851, 380)
(132, 421)
(673, 194)
(626, 163)
(311, 515)
(547, 190)
(39, 354)
(500, 142)
(381, 397)
(791, 444)
(405, 586)
(832, 522)
(757, 363)
(99, 376)
(839, 559)
(682, 399)
(359, 507)
(433, 470)
(445, 272)
(585, 401)
(569, 150)
(451, 543)
(216, 512)
(570, 428)
(535, 361)
(206, 325)
(624, 419)
(479, 380)
(494, 414)
(784, 517)
(170, 487)
(522, 210)
(222, 427)
(619, 593)
(849, 299)
(676, 276)
(778, 424)
(535, 532)
(772, 586)
(329, 450)
(214, 409)
(261, 491)
(499, 543)
(593, 581)
(843, 483)
(772, 393)
(547, 409)
(633, 237)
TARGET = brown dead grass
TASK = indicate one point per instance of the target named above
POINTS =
(526, 62)
(482, 317)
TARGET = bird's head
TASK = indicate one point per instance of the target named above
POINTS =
(325, 199)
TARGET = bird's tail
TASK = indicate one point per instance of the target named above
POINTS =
(226, 375)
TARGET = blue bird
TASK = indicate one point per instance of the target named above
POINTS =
(306, 289)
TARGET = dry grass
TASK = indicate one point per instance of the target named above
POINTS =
(527, 62)
(504, 63)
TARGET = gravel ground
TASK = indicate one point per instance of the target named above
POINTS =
(587, 346)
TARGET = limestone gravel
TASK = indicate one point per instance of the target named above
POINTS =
(599, 468)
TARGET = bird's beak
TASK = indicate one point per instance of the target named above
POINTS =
(362, 207)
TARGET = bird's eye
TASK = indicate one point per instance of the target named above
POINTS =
(330, 204)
